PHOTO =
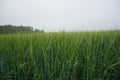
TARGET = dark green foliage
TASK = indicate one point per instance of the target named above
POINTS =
(37, 30)
(60, 56)
(8, 29)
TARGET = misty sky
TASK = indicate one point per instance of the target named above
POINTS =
(58, 15)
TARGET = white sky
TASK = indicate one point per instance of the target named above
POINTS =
(57, 15)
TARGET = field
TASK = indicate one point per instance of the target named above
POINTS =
(60, 56)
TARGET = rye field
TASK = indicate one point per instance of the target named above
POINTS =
(60, 56)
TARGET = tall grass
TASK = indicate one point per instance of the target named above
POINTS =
(60, 56)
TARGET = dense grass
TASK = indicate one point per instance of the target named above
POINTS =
(60, 56)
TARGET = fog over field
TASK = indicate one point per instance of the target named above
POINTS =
(58, 15)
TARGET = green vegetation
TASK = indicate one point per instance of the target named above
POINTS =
(60, 56)
(8, 29)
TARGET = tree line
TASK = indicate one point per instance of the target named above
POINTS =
(7, 29)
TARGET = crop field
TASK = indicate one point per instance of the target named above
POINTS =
(60, 56)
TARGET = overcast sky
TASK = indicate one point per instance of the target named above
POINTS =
(57, 15)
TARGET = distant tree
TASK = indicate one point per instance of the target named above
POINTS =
(41, 31)
(7, 29)
(37, 30)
